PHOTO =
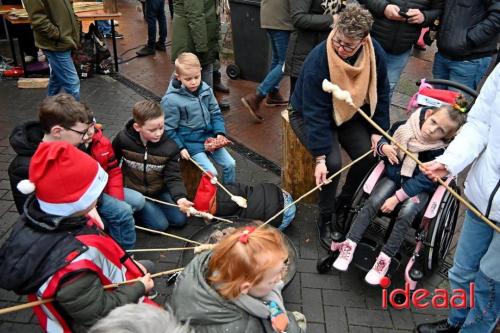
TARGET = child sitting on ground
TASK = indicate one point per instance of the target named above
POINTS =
(237, 286)
(426, 134)
(150, 165)
(56, 250)
(192, 115)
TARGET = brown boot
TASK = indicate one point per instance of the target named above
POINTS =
(274, 98)
(252, 103)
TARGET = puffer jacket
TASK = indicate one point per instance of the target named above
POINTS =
(478, 140)
(196, 29)
(151, 168)
(397, 37)
(469, 29)
(191, 118)
(194, 300)
(54, 24)
(311, 28)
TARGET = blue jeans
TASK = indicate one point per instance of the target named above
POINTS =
(279, 44)
(222, 157)
(63, 74)
(476, 260)
(155, 11)
(396, 63)
(104, 27)
(289, 214)
(158, 216)
(466, 72)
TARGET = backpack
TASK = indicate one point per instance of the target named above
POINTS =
(92, 54)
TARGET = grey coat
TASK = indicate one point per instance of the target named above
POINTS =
(194, 300)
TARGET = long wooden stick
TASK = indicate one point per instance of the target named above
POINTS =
(211, 177)
(168, 249)
(108, 286)
(167, 234)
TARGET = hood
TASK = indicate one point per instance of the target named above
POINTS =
(175, 87)
(26, 137)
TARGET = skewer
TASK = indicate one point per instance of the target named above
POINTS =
(167, 234)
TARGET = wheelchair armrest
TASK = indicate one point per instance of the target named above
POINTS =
(434, 203)
(374, 177)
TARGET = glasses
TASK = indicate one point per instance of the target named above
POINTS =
(349, 48)
(83, 133)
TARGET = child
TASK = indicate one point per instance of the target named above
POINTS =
(425, 134)
(150, 165)
(192, 115)
(237, 286)
(57, 251)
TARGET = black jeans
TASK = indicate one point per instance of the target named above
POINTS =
(354, 137)
(384, 189)
(155, 11)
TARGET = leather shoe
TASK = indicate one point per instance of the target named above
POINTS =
(252, 103)
(441, 326)
(220, 87)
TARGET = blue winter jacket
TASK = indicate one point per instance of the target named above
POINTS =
(191, 118)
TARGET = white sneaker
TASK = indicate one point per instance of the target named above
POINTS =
(346, 249)
(379, 269)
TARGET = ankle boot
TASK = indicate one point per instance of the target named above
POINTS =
(441, 326)
(219, 86)
(274, 98)
(252, 103)
(325, 231)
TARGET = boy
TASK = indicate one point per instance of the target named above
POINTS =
(192, 115)
(150, 165)
(62, 118)
(57, 251)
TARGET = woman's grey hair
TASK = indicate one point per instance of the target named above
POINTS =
(140, 318)
(354, 21)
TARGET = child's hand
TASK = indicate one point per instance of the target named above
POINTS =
(148, 282)
(389, 204)
(185, 154)
(434, 170)
(220, 136)
(391, 153)
(184, 205)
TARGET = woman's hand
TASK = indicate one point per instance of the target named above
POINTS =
(434, 170)
(391, 153)
(320, 173)
(389, 204)
(184, 205)
(185, 154)
(375, 138)
(392, 13)
(415, 16)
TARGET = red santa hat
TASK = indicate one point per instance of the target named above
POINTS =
(436, 97)
(205, 194)
(65, 180)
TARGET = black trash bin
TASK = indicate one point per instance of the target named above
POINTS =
(252, 52)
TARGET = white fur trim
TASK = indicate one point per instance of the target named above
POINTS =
(25, 186)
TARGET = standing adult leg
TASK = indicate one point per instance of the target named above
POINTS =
(162, 23)
(207, 75)
(63, 74)
(395, 63)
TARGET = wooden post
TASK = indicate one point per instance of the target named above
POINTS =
(191, 176)
(297, 171)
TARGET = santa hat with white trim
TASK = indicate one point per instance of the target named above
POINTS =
(65, 179)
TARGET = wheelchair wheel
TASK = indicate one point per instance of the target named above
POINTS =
(324, 265)
(441, 230)
(233, 71)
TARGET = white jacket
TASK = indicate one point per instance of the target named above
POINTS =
(480, 138)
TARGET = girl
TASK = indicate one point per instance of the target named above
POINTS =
(425, 134)
(237, 286)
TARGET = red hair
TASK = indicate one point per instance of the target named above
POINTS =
(234, 262)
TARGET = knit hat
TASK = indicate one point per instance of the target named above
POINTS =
(65, 179)
(205, 194)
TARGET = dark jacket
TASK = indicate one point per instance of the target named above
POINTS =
(469, 29)
(191, 118)
(418, 182)
(196, 29)
(311, 28)
(149, 169)
(397, 37)
(316, 106)
(54, 24)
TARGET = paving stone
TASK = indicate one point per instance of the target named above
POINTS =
(4, 183)
(343, 298)
(402, 319)
(324, 281)
(292, 291)
(315, 327)
(370, 318)
(384, 330)
(359, 329)
(312, 305)
(335, 319)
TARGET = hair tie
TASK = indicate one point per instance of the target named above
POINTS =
(246, 233)
(461, 104)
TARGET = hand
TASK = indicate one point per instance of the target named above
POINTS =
(185, 154)
(184, 205)
(220, 136)
(141, 266)
(392, 13)
(434, 170)
(391, 153)
(389, 204)
(415, 16)
(148, 282)
(375, 138)
(320, 173)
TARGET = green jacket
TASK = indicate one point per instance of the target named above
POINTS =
(54, 24)
(196, 29)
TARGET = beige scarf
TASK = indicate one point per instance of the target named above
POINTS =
(410, 137)
(360, 80)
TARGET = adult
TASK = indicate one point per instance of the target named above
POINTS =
(275, 19)
(476, 256)
(467, 38)
(355, 62)
(397, 28)
(312, 21)
(155, 12)
(57, 33)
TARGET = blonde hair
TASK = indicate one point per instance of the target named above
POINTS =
(234, 262)
(186, 60)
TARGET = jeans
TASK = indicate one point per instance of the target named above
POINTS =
(289, 214)
(207, 74)
(220, 156)
(158, 216)
(135, 199)
(476, 260)
(104, 27)
(155, 11)
(279, 44)
(384, 189)
(63, 74)
(466, 72)
(395, 65)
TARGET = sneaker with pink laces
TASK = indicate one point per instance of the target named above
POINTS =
(346, 249)
(379, 269)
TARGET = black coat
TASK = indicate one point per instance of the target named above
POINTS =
(311, 28)
(397, 37)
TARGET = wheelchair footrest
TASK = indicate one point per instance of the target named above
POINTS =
(366, 254)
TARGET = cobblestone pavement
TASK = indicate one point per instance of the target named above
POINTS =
(332, 302)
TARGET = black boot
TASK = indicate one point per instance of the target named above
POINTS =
(441, 326)
(218, 85)
(325, 231)
(342, 207)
